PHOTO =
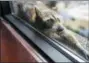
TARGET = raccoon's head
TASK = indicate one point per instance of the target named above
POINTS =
(49, 20)
(53, 22)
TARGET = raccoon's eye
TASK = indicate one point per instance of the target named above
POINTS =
(49, 23)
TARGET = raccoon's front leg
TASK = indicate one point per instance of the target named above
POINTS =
(50, 33)
(67, 35)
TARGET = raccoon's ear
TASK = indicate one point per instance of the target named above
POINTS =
(37, 12)
(33, 15)
(38, 18)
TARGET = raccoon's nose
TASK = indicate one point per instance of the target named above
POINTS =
(60, 29)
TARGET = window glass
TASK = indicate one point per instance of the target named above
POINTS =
(65, 21)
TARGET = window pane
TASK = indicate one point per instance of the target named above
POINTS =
(65, 21)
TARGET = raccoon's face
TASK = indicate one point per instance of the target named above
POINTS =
(50, 21)
(53, 24)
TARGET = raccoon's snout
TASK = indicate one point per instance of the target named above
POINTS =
(60, 29)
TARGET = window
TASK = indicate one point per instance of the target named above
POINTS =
(69, 18)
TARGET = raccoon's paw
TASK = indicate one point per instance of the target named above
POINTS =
(86, 56)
